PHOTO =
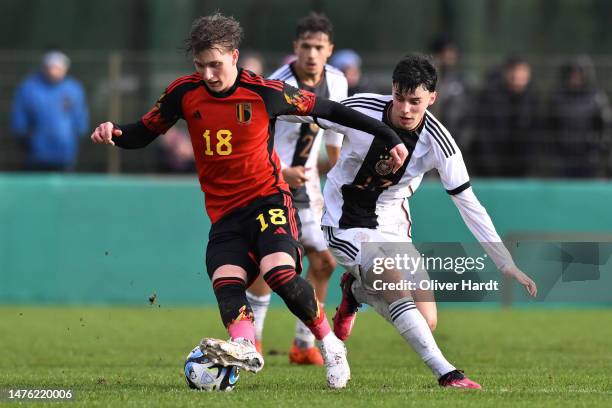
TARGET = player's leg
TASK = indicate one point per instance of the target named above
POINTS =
(259, 294)
(405, 316)
(231, 268)
(303, 349)
(395, 305)
(280, 263)
(321, 265)
(321, 262)
(299, 296)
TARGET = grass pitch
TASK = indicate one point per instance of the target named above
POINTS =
(134, 356)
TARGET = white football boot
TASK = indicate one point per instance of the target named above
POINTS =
(240, 353)
(336, 365)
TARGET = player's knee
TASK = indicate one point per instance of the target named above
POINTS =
(328, 263)
(273, 260)
(322, 265)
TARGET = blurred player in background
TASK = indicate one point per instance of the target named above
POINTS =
(298, 148)
(230, 113)
(366, 202)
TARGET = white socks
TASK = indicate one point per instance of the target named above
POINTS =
(260, 305)
(414, 329)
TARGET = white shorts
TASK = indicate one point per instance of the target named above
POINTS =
(347, 246)
(312, 236)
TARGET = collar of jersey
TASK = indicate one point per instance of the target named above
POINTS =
(227, 93)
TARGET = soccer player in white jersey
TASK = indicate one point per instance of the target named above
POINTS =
(365, 201)
(297, 146)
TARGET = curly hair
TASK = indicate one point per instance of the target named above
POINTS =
(315, 23)
(213, 31)
(413, 71)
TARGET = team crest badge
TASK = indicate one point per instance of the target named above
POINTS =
(382, 166)
(243, 113)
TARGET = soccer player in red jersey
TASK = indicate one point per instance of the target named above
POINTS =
(231, 114)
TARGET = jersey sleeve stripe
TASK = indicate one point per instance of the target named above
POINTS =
(275, 82)
(184, 78)
(459, 189)
(190, 78)
(258, 80)
(442, 133)
(278, 85)
(436, 137)
(382, 106)
(366, 99)
(371, 107)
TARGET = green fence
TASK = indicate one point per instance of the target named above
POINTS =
(109, 240)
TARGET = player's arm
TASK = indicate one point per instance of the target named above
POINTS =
(343, 115)
(479, 223)
(158, 120)
(304, 103)
(453, 174)
(130, 136)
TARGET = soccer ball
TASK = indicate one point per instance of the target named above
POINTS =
(202, 374)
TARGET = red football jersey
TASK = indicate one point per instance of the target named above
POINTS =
(232, 134)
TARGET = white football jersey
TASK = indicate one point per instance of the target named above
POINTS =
(298, 144)
(361, 191)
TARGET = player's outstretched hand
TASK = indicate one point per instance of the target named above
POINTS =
(295, 176)
(104, 133)
(523, 279)
(398, 156)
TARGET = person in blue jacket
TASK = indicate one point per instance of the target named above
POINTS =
(49, 115)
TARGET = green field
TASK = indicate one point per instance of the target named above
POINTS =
(133, 357)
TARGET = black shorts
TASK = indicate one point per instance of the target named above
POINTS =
(246, 235)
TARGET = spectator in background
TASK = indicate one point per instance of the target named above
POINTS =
(579, 120)
(175, 152)
(349, 62)
(507, 124)
(252, 61)
(451, 106)
(49, 115)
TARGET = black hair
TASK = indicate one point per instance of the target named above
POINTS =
(415, 70)
(213, 31)
(315, 23)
